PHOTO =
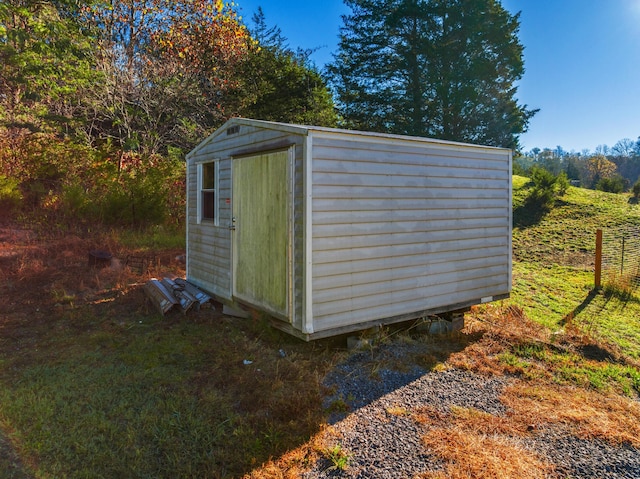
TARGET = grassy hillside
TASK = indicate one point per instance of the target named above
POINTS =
(554, 256)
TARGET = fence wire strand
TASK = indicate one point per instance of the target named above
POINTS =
(621, 256)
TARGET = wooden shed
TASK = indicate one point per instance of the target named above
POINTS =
(331, 231)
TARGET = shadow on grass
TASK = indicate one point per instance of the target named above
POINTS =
(581, 307)
(10, 464)
(626, 293)
(528, 215)
(593, 349)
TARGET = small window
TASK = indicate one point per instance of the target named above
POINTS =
(208, 181)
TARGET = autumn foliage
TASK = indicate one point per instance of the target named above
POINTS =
(101, 100)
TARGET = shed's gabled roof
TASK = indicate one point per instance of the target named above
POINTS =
(270, 125)
(306, 129)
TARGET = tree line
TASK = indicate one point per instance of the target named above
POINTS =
(101, 99)
(613, 169)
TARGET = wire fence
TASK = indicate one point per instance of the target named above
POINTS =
(621, 256)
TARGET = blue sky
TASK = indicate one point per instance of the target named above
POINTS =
(582, 61)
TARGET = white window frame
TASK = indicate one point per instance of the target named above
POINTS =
(215, 190)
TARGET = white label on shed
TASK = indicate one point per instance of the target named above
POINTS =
(486, 299)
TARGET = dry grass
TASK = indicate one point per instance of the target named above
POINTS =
(588, 414)
(295, 462)
(80, 345)
(475, 444)
(469, 455)
(498, 328)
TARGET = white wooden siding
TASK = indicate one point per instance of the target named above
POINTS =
(397, 225)
(406, 226)
(208, 245)
(209, 255)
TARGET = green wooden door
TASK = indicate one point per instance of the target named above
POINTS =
(261, 208)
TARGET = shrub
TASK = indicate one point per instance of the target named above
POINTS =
(543, 179)
(562, 184)
(134, 201)
(10, 195)
(55, 180)
(75, 201)
(615, 184)
(540, 199)
(543, 194)
(636, 190)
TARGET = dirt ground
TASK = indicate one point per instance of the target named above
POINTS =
(44, 274)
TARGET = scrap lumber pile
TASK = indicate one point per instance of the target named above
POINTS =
(169, 293)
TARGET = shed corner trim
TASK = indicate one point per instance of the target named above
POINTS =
(307, 314)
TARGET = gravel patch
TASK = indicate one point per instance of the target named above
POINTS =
(581, 458)
(382, 442)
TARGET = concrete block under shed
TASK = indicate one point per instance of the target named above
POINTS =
(355, 343)
(235, 312)
(439, 325)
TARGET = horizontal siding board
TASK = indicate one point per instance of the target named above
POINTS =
(432, 229)
(475, 171)
(374, 192)
(393, 181)
(389, 271)
(430, 238)
(396, 204)
(386, 250)
(332, 270)
(360, 148)
(436, 276)
(390, 161)
(209, 238)
(382, 302)
(352, 317)
(210, 287)
(213, 272)
(219, 256)
(224, 183)
(402, 215)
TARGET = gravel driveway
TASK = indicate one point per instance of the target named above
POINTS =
(381, 444)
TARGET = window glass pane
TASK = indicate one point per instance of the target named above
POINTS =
(208, 201)
(208, 176)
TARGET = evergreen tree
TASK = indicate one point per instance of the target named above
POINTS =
(438, 68)
(281, 84)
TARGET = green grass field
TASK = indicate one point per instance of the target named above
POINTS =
(553, 271)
